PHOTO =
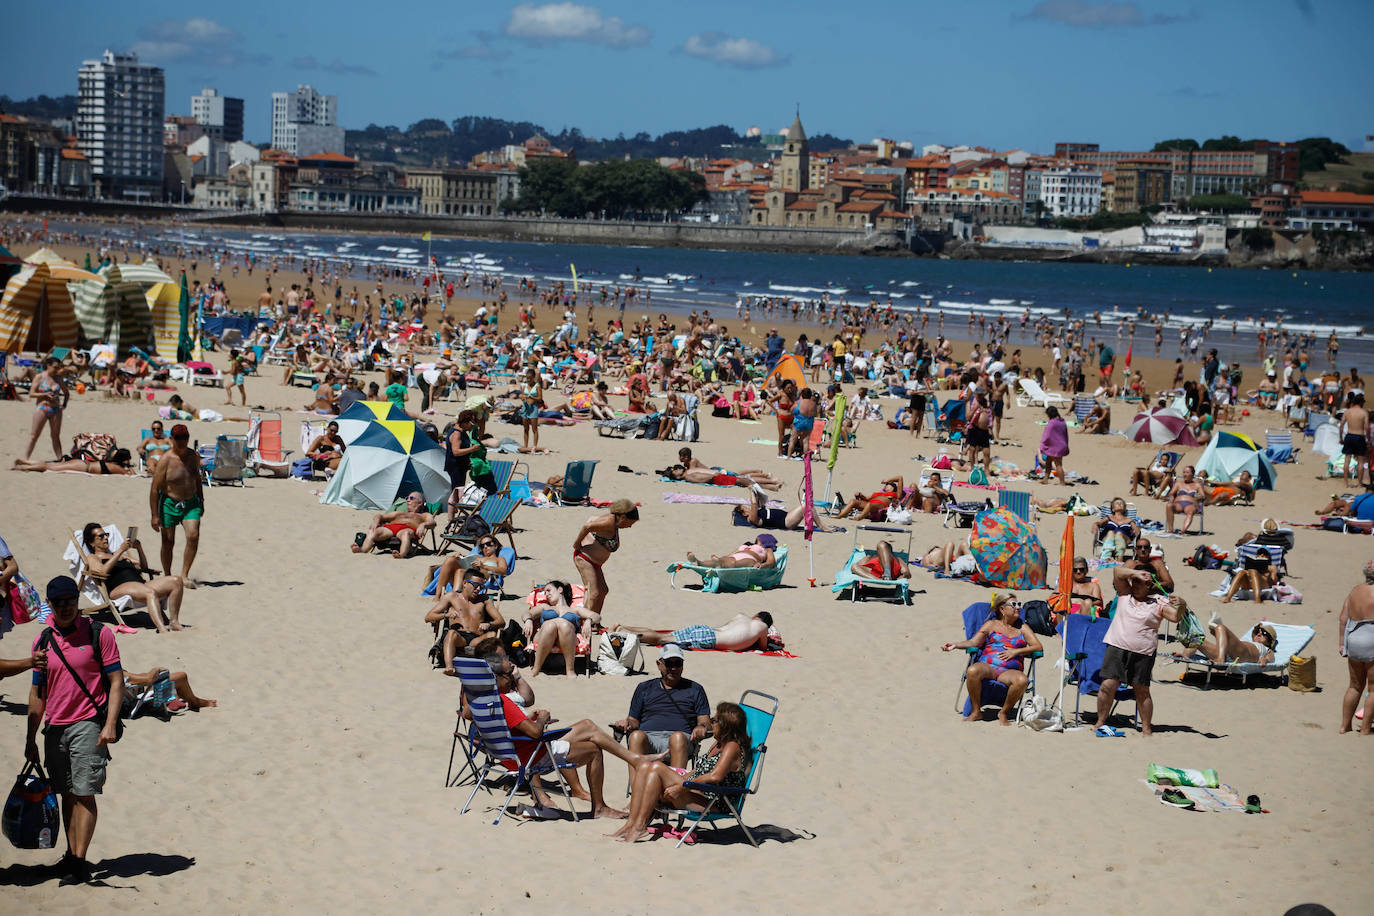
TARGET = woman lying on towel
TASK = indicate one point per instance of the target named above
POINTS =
(652, 782)
(118, 464)
(953, 559)
(1001, 643)
(1225, 646)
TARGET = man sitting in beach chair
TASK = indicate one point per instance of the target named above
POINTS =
(405, 527)
(884, 564)
(740, 633)
(667, 713)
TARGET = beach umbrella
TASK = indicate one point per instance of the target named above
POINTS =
(841, 404)
(61, 268)
(354, 421)
(1061, 600)
(1230, 453)
(115, 306)
(1007, 551)
(954, 411)
(36, 312)
(390, 459)
(1162, 426)
(184, 344)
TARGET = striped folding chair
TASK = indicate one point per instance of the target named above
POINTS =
(1018, 501)
(491, 736)
(1082, 406)
(1278, 445)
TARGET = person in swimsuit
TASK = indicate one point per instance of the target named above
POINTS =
(1002, 642)
(747, 479)
(238, 374)
(884, 564)
(1115, 532)
(152, 447)
(554, 619)
(804, 415)
(783, 402)
(930, 497)
(740, 633)
(1355, 633)
(1085, 589)
(874, 506)
(593, 546)
(50, 395)
(125, 579)
(406, 526)
(755, 554)
(1158, 478)
(977, 431)
(118, 464)
(1354, 431)
(725, 763)
(1225, 646)
(1225, 494)
(469, 619)
(531, 399)
(327, 449)
(953, 558)
(176, 499)
(918, 391)
(1187, 494)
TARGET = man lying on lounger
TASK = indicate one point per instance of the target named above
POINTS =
(739, 634)
(406, 526)
(884, 564)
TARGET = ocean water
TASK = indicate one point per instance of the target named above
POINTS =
(1238, 302)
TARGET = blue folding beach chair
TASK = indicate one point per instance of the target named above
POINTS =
(1018, 501)
(577, 483)
(490, 737)
(1081, 662)
(994, 692)
(494, 583)
(1278, 446)
(727, 802)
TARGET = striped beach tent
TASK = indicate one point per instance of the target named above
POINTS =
(165, 301)
(390, 459)
(115, 307)
(36, 312)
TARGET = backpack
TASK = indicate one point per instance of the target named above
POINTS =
(1203, 558)
(473, 528)
(1038, 617)
(514, 642)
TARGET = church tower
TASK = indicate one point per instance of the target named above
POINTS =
(794, 166)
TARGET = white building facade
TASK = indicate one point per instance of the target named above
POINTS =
(306, 118)
(119, 117)
(1072, 191)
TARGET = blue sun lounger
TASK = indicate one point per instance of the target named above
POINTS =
(862, 588)
(715, 580)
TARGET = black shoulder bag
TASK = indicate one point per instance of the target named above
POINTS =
(102, 709)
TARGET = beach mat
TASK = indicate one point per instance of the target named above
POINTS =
(1222, 799)
(713, 499)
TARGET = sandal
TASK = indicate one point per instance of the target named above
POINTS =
(1107, 731)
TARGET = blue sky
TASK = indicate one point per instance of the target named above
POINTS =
(1000, 73)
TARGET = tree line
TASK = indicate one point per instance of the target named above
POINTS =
(612, 189)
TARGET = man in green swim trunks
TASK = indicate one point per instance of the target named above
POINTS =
(176, 498)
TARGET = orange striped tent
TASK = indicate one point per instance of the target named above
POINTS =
(36, 312)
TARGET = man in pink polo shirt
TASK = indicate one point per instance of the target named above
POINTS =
(79, 679)
(1131, 642)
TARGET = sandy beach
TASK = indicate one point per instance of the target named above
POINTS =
(317, 785)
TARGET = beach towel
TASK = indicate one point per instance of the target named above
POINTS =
(705, 498)
(1221, 799)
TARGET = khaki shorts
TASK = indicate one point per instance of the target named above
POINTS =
(76, 762)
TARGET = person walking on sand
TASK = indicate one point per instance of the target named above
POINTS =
(1054, 445)
(1354, 431)
(1355, 635)
(79, 697)
(176, 497)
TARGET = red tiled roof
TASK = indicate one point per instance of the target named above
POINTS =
(328, 157)
(1337, 197)
(803, 205)
(859, 206)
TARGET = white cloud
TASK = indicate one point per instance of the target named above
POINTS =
(744, 53)
(309, 62)
(204, 40)
(554, 22)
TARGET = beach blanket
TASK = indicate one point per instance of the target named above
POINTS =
(1221, 799)
(714, 499)
(763, 441)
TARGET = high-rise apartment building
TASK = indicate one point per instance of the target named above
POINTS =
(305, 122)
(119, 117)
(221, 116)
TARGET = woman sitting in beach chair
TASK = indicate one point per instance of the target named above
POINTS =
(1224, 646)
(554, 619)
(874, 506)
(884, 564)
(1002, 643)
(1114, 531)
(122, 578)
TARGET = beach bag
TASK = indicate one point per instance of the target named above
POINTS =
(899, 516)
(1302, 673)
(1038, 617)
(1040, 716)
(1190, 632)
(25, 602)
(941, 463)
(1205, 558)
(474, 527)
(978, 477)
(1284, 593)
(516, 646)
(303, 468)
(618, 654)
(31, 819)
(688, 429)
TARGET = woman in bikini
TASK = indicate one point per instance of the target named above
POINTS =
(874, 506)
(155, 446)
(1002, 642)
(50, 395)
(1225, 646)
(653, 781)
(593, 546)
(117, 464)
(783, 402)
(747, 478)
(554, 619)
(531, 399)
(1187, 495)
(125, 579)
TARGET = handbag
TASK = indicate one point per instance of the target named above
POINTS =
(1302, 673)
(101, 709)
(618, 654)
(31, 819)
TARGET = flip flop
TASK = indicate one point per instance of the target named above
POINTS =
(537, 813)
(1107, 731)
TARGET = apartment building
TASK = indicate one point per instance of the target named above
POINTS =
(119, 124)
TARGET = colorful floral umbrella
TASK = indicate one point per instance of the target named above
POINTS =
(1007, 551)
(1162, 426)
(1230, 453)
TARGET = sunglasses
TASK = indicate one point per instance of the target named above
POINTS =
(1080, 569)
(673, 663)
(489, 544)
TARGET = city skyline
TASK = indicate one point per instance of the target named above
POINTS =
(1023, 73)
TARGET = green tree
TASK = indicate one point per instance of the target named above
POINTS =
(1184, 145)
(1315, 152)
(1228, 143)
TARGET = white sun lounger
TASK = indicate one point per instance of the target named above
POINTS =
(1035, 396)
(1293, 638)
